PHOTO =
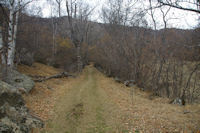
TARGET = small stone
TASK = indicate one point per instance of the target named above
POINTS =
(178, 101)
(186, 112)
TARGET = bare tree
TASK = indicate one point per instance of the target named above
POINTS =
(78, 19)
(54, 33)
(152, 16)
(54, 18)
(59, 2)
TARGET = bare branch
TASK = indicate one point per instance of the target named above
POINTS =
(176, 5)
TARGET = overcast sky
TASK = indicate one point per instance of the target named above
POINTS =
(176, 18)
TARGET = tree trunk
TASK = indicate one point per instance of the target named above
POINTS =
(12, 40)
(2, 53)
(59, 9)
(79, 62)
(53, 45)
(10, 36)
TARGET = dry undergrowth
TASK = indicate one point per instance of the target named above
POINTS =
(155, 115)
(41, 99)
(143, 115)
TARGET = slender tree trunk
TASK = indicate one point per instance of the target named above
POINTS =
(2, 53)
(1, 40)
(59, 9)
(15, 32)
(79, 62)
(11, 46)
(54, 48)
(55, 44)
(53, 37)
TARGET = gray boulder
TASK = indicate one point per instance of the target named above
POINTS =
(26, 57)
(129, 83)
(178, 101)
(117, 79)
(19, 80)
(14, 116)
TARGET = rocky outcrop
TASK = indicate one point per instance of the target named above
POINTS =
(10, 95)
(19, 80)
(14, 116)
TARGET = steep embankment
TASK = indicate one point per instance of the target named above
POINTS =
(94, 103)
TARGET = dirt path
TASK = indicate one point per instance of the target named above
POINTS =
(94, 103)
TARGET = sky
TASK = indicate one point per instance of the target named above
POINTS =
(176, 18)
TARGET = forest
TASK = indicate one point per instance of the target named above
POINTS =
(132, 43)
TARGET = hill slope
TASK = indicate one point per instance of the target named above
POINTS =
(97, 104)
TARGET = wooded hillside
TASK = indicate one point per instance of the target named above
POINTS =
(133, 42)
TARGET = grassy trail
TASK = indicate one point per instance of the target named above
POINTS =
(84, 109)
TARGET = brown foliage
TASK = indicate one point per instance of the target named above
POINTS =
(163, 64)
